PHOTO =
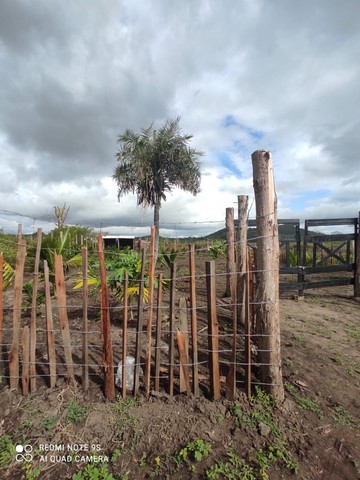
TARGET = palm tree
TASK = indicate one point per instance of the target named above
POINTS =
(154, 162)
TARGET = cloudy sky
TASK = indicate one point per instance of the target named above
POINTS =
(243, 75)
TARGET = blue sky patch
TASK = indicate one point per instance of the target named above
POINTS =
(230, 121)
(305, 199)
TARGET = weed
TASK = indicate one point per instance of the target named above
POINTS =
(355, 334)
(27, 423)
(262, 407)
(275, 453)
(29, 472)
(7, 451)
(75, 412)
(337, 359)
(123, 420)
(92, 472)
(193, 451)
(116, 454)
(352, 372)
(49, 423)
(142, 461)
(340, 415)
(233, 469)
(304, 402)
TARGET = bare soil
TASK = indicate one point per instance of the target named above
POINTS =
(314, 434)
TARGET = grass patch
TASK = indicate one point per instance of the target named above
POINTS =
(306, 403)
(342, 416)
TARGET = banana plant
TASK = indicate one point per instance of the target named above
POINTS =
(8, 275)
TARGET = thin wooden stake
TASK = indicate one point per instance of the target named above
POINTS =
(247, 335)
(33, 313)
(158, 333)
(151, 311)
(183, 327)
(109, 380)
(231, 376)
(64, 321)
(171, 327)
(25, 341)
(184, 360)
(18, 284)
(242, 255)
(193, 316)
(139, 326)
(19, 233)
(230, 251)
(124, 336)
(85, 334)
(213, 331)
(49, 328)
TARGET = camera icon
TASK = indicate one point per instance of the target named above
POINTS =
(24, 453)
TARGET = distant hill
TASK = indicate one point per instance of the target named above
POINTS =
(221, 234)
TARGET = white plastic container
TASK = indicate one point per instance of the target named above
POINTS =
(130, 371)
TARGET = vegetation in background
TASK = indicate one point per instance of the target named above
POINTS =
(153, 162)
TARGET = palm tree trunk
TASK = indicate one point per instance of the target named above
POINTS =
(157, 229)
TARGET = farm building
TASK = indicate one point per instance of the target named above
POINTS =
(119, 241)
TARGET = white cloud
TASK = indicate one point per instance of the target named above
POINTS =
(76, 75)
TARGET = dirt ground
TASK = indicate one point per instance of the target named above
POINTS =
(314, 434)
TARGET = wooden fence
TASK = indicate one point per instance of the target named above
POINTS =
(310, 255)
(48, 342)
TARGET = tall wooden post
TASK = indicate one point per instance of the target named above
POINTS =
(50, 337)
(63, 316)
(85, 334)
(152, 261)
(230, 251)
(18, 285)
(213, 331)
(33, 313)
(109, 389)
(268, 318)
(357, 261)
(1, 302)
(193, 315)
(242, 255)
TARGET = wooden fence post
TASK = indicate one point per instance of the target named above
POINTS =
(124, 333)
(152, 261)
(109, 379)
(139, 326)
(33, 314)
(158, 333)
(18, 284)
(85, 335)
(49, 328)
(25, 343)
(64, 321)
(268, 318)
(357, 260)
(230, 251)
(213, 331)
(1, 302)
(242, 255)
(183, 337)
(193, 316)
(171, 328)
